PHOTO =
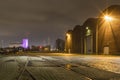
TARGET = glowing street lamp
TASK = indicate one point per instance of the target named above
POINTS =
(108, 18)
(68, 35)
(68, 42)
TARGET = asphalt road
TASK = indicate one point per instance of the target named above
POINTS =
(59, 67)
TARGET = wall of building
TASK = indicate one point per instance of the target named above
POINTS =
(60, 44)
(89, 30)
(77, 39)
(109, 31)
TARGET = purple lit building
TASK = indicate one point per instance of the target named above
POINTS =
(25, 43)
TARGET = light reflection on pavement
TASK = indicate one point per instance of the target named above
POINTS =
(66, 67)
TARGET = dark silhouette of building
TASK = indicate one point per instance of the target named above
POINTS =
(89, 33)
(97, 35)
(60, 45)
(77, 41)
(82, 38)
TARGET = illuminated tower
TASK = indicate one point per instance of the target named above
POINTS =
(25, 43)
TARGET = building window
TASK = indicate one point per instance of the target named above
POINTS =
(88, 31)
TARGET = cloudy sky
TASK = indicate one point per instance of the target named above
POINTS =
(40, 20)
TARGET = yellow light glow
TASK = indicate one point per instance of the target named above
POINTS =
(87, 28)
(68, 66)
(108, 18)
(68, 35)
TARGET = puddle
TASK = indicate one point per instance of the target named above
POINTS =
(70, 66)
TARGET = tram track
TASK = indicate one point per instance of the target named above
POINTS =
(54, 68)
(24, 72)
(87, 71)
(66, 67)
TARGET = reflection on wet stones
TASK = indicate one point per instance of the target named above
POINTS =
(69, 66)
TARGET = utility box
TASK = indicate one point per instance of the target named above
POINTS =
(106, 50)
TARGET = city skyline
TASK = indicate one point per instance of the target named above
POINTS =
(40, 20)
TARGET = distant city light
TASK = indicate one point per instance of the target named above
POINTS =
(25, 43)
(40, 47)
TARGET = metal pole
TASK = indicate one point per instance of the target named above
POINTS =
(97, 38)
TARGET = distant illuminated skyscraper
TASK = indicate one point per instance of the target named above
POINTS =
(25, 43)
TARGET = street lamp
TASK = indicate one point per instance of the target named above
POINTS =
(108, 19)
(68, 36)
(68, 42)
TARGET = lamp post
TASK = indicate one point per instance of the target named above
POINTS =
(108, 19)
(97, 38)
(68, 40)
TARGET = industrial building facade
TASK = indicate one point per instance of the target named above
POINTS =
(96, 35)
(82, 39)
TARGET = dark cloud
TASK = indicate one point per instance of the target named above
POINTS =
(44, 19)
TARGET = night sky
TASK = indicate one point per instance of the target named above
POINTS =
(43, 20)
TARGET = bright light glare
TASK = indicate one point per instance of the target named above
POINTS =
(68, 35)
(108, 18)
